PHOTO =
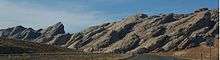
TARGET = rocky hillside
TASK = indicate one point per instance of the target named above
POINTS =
(54, 35)
(134, 34)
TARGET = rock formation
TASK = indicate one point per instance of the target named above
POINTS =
(54, 34)
(60, 39)
(135, 34)
(142, 33)
(49, 33)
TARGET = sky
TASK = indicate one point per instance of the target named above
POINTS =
(77, 15)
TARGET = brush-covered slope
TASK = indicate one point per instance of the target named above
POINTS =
(11, 46)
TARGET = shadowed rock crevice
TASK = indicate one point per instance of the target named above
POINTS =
(124, 46)
(86, 36)
(117, 35)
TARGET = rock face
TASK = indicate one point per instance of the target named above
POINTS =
(5, 32)
(142, 33)
(135, 34)
(60, 39)
(54, 34)
(19, 32)
(29, 34)
(57, 28)
(49, 33)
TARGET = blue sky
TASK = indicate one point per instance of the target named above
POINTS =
(77, 15)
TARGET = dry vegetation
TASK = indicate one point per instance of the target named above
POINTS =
(11, 49)
(198, 53)
(18, 46)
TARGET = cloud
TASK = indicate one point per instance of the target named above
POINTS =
(38, 16)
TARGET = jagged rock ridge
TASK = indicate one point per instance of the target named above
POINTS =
(142, 33)
(54, 35)
(135, 34)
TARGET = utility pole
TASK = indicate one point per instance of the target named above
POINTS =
(210, 52)
(201, 56)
